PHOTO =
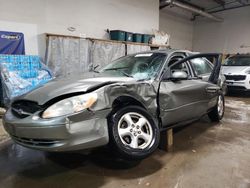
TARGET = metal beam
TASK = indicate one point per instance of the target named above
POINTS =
(191, 4)
(187, 7)
(220, 2)
(183, 1)
(229, 8)
(242, 2)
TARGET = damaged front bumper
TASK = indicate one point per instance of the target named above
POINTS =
(79, 131)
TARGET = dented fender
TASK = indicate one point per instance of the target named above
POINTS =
(144, 92)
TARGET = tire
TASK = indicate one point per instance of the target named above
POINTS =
(133, 139)
(217, 113)
(224, 90)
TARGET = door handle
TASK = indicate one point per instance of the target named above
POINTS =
(212, 89)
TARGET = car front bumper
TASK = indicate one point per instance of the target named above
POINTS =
(243, 85)
(80, 131)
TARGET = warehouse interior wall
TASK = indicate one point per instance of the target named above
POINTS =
(92, 18)
(89, 18)
(230, 36)
(176, 22)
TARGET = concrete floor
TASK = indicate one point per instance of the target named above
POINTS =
(205, 155)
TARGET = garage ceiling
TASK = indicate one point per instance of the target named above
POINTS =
(217, 5)
(205, 8)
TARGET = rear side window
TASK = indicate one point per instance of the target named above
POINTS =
(201, 66)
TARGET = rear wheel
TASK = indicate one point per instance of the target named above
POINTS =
(217, 112)
(133, 133)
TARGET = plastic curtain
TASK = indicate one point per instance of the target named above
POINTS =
(67, 56)
(103, 53)
(131, 49)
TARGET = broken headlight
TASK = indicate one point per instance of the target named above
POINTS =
(70, 105)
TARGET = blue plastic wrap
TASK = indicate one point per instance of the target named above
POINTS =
(21, 74)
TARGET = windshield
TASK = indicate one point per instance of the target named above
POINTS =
(238, 61)
(140, 66)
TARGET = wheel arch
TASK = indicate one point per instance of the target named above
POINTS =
(126, 100)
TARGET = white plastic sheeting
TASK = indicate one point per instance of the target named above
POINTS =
(67, 55)
(103, 53)
(131, 49)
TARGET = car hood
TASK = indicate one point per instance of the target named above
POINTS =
(234, 69)
(68, 85)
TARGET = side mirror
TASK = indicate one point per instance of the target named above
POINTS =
(179, 75)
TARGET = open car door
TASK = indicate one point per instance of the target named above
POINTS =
(182, 96)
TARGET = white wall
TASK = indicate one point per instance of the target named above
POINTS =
(89, 17)
(177, 23)
(227, 36)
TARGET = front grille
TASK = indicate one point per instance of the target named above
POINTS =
(24, 108)
(236, 88)
(36, 142)
(235, 77)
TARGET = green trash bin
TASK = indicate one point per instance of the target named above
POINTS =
(137, 37)
(117, 35)
(146, 38)
(129, 36)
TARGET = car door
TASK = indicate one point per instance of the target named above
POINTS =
(185, 99)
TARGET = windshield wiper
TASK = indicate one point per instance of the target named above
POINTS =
(117, 68)
(126, 74)
(121, 71)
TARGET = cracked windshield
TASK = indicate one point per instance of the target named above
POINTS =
(141, 66)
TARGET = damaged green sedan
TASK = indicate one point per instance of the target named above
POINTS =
(126, 104)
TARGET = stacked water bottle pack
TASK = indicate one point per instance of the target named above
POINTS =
(21, 74)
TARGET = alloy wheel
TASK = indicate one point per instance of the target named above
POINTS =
(135, 130)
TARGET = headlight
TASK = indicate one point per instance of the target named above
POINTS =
(70, 105)
(247, 71)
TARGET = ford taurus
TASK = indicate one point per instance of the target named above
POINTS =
(125, 104)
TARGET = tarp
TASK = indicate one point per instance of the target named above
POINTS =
(20, 74)
(12, 43)
(67, 56)
(72, 56)
(131, 49)
(103, 53)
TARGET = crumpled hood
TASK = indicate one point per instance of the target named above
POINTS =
(235, 70)
(68, 85)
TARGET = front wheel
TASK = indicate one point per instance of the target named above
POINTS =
(133, 133)
(217, 112)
